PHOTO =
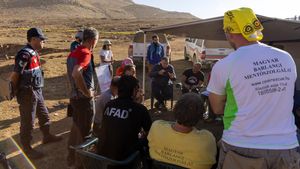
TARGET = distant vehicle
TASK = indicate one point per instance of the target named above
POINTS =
(136, 48)
(205, 51)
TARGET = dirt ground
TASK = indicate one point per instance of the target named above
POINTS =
(56, 86)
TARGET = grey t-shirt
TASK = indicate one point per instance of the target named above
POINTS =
(100, 104)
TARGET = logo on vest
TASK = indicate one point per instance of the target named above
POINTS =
(114, 112)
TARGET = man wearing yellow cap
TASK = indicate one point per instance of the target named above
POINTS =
(254, 87)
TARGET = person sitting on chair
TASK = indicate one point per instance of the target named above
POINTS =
(129, 70)
(105, 97)
(192, 79)
(163, 75)
(123, 119)
(125, 62)
(180, 143)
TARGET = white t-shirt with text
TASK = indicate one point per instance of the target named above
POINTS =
(258, 81)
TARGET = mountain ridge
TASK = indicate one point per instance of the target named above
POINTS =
(109, 9)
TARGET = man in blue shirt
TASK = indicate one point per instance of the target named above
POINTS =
(155, 52)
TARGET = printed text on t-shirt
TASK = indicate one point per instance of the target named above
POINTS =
(265, 68)
(116, 112)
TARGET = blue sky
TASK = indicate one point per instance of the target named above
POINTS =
(213, 8)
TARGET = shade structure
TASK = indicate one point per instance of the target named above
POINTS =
(275, 30)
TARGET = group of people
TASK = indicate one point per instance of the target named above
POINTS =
(252, 87)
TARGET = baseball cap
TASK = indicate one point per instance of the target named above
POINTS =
(35, 32)
(79, 35)
(107, 42)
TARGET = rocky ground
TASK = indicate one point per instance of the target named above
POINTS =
(60, 34)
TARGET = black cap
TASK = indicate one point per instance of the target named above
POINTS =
(35, 32)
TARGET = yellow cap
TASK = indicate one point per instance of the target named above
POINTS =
(244, 21)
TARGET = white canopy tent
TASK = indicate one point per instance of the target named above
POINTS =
(275, 31)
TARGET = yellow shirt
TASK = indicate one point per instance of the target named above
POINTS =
(196, 149)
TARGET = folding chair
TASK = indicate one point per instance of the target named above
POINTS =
(171, 99)
(91, 160)
(162, 165)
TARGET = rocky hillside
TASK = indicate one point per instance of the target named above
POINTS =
(106, 9)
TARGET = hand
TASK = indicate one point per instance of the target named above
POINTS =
(139, 96)
(171, 75)
(194, 87)
(142, 134)
(13, 91)
(161, 72)
(187, 86)
(90, 94)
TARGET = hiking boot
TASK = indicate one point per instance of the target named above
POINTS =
(33, 154)
(51, 139)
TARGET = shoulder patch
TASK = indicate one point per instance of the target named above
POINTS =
(31, 51)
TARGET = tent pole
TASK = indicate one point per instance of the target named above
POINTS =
(144, 65)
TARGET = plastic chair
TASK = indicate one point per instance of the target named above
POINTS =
(162, 165)
(91, 160)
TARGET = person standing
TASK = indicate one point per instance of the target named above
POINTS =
(106, 55)
(77, 41)
(254, 88)
(27, 82)
(155, 52)
(129, 70)
(80, 73)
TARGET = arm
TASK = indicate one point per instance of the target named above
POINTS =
(200, 83)
(146, 120)
(92, 62)
(139, 96)
(112, 57)
(163, 51)
(14, 79)
(183, 79)
(217, 89)
(79, 81)
(148, 54)
(217, 102)
(103, 59)
(154, 72)
(172, 74)
(201, 80)
(21, 61)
